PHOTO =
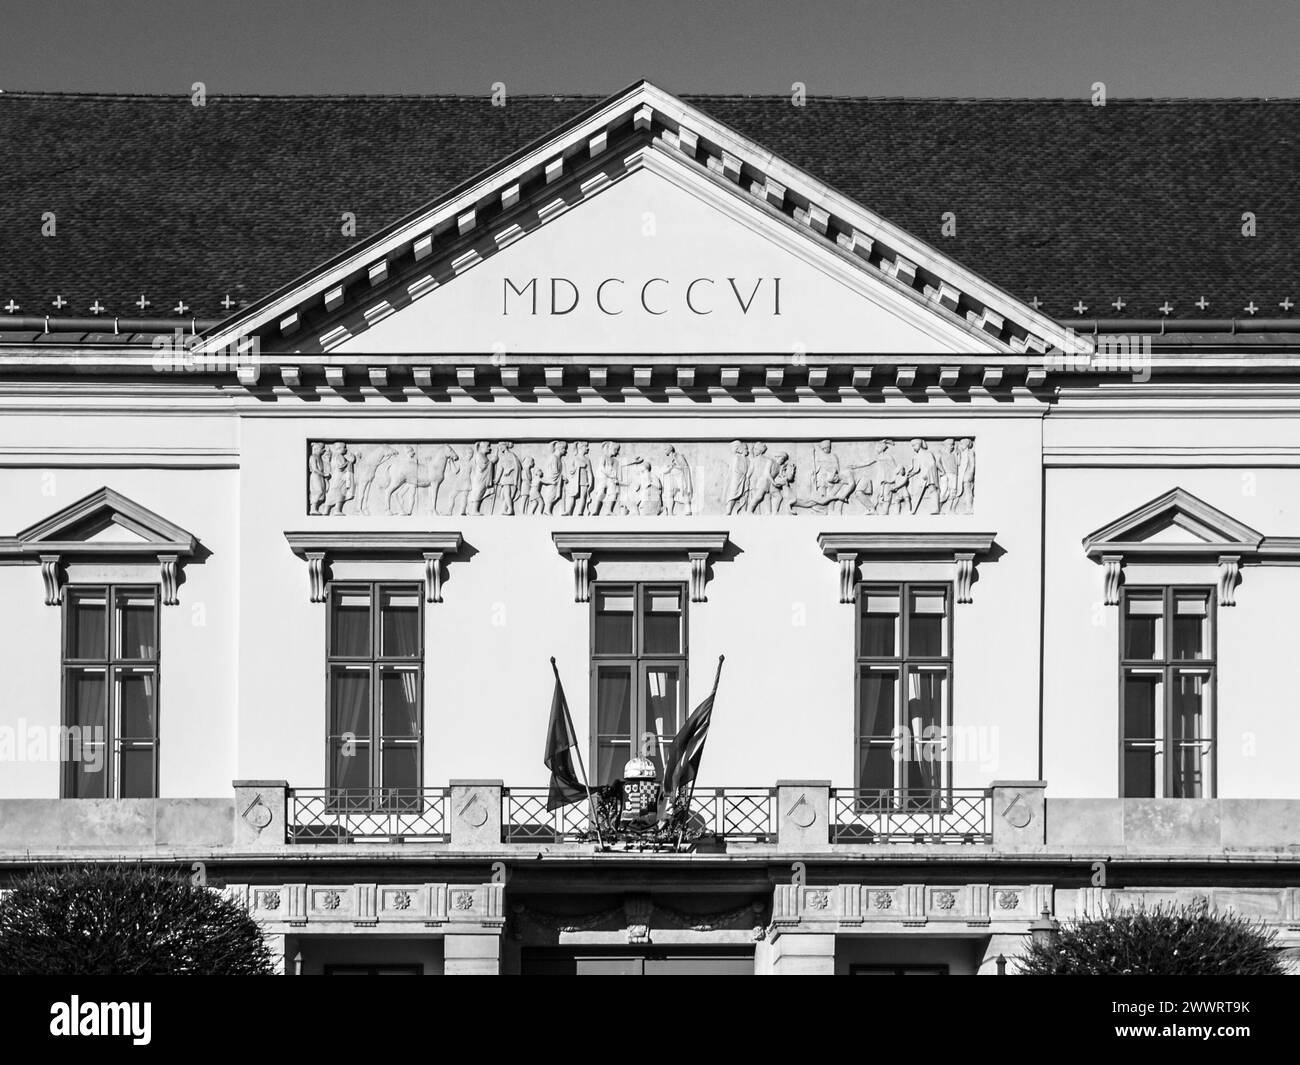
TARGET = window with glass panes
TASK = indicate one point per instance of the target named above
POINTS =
(904, 677)
(375, 689)
(638, 673)
(110, 692)
(1167, 692)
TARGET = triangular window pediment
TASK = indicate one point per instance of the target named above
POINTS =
(106, 518)
(1172, 523)
(103, 526)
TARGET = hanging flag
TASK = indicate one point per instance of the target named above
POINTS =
(561, 743)
(688, 746)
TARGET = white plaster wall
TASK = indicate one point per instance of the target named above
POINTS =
(1258, 723)
(197, 638)
(785, 706)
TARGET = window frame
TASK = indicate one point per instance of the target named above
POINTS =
(904, 663)
(376, 664)
(636, 661)
(111, 663)
(1168, 667)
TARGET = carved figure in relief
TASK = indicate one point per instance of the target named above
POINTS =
(443, 455)
(397, 470)
(678, 489)
(965, 503)
(760, 480)
(341, 485)
(830, 488)
(530, 482)
(782, 496)
(891, 480)
(553, 476)
(482, 476)
(863, 477)
(923, 479)
(947, 457)
(647, 489)
(509, 473)
(577, 479)
(371, 466)
(605, 480)
(738, 481)
(827, 482)
(316, 478)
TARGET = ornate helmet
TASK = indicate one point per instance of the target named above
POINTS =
(639, 768)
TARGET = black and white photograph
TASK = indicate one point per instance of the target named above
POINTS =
(659, 488)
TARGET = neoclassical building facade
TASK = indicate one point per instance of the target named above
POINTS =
(327, 424)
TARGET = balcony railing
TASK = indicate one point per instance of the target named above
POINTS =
(737, 815)
(384, 815)
(895, 816)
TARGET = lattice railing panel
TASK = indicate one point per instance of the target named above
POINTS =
(891, 816)
(334, 815)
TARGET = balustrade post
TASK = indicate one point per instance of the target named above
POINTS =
(261, 808)
(474, 814)
(803, 815)
(1019, 814)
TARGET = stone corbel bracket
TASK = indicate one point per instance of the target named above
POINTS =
(319, 549)
(695, 548)
(852, 549)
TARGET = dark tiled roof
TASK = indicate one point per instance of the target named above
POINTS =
(1057, 200)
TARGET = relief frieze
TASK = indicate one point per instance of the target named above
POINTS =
(642, 478)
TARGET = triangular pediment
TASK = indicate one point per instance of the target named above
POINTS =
(109, 520)
(643, 226)
(1176, 522)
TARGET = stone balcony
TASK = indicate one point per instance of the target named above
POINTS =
(1011, 818)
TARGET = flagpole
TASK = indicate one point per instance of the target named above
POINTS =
(717, 676)
(582, 768)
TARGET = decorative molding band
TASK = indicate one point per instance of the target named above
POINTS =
(318, 549)
(647, 478)
(848, 550)
(857, 907)
(445, 907)
(695, 548)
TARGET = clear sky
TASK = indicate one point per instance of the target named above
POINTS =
(897, 48)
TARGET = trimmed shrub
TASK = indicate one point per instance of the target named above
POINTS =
(124, 920)
(1165, 940)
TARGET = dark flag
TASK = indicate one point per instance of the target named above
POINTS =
(688, 746)
(561, 742)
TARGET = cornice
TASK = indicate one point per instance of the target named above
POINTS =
(318, 549)
(696, 548)
(850, 549)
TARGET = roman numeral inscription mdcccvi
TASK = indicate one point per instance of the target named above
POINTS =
(756, 296)
(643, 478)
